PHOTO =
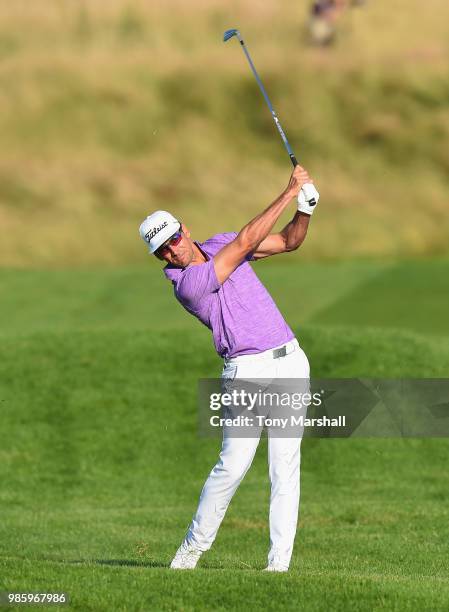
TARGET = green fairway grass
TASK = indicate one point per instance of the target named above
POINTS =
(408, 294)
(101, 465)
(101, 468)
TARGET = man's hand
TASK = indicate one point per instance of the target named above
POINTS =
(255, 232)
(299, 177)
(308, 199)
(301, 185)
(294, 233)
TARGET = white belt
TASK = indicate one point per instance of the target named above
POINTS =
(273, 353)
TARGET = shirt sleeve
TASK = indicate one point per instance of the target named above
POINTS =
(196, 283)
(229, 237)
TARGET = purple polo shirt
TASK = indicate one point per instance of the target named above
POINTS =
(240, 313)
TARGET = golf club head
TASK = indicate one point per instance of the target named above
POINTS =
(229, 34)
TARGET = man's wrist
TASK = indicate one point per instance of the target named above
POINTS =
(289, 194)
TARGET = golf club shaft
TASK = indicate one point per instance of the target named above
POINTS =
(270, 106)
(308, 192)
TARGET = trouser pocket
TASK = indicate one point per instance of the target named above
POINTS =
(228, 376)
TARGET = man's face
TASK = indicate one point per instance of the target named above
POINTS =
(178, 249)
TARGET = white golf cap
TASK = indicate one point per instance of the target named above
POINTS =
(157, 228)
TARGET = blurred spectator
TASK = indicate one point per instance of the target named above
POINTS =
(324, 15)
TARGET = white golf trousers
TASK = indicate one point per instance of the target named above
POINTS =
(237, 455)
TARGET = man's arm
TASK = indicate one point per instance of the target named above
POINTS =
(288, 239)
(251, 236)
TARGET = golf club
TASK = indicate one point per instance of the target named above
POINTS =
(308, 190)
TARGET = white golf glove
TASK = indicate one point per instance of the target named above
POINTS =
(307, 194)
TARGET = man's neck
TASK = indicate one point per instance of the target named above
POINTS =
(199, 256)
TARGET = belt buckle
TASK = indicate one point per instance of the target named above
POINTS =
(280, 352)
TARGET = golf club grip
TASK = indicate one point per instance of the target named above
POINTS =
(294, 160)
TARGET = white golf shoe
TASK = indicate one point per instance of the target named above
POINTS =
(186, 557)
(276, 567)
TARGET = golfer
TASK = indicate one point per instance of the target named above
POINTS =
(214, 282)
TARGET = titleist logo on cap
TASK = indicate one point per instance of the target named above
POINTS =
(149, 235)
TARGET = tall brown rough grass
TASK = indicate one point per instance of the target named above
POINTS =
(109, 110)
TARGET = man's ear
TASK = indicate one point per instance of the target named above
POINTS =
(185, 231)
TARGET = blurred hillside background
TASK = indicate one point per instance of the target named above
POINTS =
(109, 110)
